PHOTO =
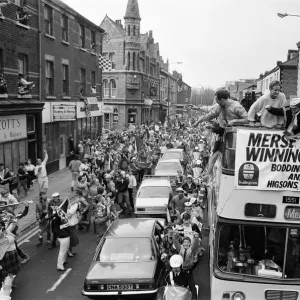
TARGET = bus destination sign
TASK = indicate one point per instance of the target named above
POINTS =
(290, 200)
(292, 213)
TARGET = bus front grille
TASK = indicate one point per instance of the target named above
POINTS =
(281, 295)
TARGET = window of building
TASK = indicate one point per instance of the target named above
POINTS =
(137, 31)
(49, 77)
(115, 116)
(133, 31)
(132, 116)
(1, 60)
(128, 30)
(106, 118)
(19, 3)
(83, 81)
(30, 124)
(93, 40)
(133, 60)
(105, 89)
(93, 78)
(82, 36)
(48, 12)
(64, 28)
(112, 59)
(113, 88)
(23, 65)
(65, 79)
(128, 63)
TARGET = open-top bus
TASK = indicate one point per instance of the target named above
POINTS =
(254, 217)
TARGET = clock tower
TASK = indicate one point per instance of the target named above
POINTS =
(132, 38)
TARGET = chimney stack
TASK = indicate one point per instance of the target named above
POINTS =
(278, 63)
(119, 22)
(292, 54)
(151, 34)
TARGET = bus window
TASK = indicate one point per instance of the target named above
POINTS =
(260, 210)
(258, 251)
(228, 161)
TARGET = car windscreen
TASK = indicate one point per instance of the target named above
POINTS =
(172, 155)
(127, 250)
(154, 192)
(168, 167)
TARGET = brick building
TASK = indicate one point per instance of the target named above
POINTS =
(131, 88)
(70, 74)
(286, 72)
(20, 102)
(184, 93)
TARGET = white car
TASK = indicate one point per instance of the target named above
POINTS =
(173, 154)
(168, 168)
(152, 197)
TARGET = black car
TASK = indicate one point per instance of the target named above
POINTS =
(127, 261)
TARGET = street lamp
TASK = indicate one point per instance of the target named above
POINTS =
(283, 15)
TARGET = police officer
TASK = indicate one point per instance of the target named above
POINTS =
(179, 278)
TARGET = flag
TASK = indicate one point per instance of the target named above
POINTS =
(87, 107)
(104, 63)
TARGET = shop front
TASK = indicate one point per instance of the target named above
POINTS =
(20, 132)
(64, 125)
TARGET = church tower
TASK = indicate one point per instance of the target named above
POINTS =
(132, 39)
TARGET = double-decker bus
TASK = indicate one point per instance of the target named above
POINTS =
(254, 217)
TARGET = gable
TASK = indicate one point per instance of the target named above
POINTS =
(112, 28)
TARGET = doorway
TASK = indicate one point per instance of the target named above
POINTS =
(32, 151)
(62, 151)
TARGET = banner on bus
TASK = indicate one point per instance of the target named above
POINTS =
(266, 160)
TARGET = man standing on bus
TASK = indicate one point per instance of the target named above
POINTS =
(228, 111)
(273, 98)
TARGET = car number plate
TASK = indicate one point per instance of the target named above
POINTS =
(155, 209)
(120, 287)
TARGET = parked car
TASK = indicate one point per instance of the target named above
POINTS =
(168, 168)
(127, 261)
(152, 197)
(173, 154)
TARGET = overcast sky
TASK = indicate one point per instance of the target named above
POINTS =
(217, 40)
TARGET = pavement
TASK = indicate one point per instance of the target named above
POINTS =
(39, 278)
(59, 181)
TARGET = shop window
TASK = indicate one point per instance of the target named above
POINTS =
(115, 116)
(93, 41)
(64, 28)
(49, 77)
(113, 87)
(82, 36)
(48, 14)
(65, 79)
(106, 118)
(93, 79)
(105, 89)
(30, 124)
(132, 116)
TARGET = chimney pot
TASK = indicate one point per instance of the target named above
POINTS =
(279, 62)
(151, 34)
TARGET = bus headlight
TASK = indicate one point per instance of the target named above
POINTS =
(238, 296)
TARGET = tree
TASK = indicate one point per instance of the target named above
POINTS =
(204, 96)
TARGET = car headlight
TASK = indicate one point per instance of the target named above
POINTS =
(238, 296)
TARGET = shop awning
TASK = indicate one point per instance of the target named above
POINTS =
(14, 107)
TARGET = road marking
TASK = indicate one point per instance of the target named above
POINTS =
(26, 239)
(59, 281)
(27, 234)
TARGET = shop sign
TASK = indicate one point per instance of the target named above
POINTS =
(64, 112)
(266, 160)
(94, 106)
(13, 128)
(292, 213)
(108, 109)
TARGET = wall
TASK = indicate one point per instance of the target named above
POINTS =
(289, 81)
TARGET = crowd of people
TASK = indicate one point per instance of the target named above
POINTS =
(106, 172)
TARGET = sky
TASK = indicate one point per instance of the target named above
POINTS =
(216, 40)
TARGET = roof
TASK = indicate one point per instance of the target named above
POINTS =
(155, 182)
(132, 10)
(75, 13)
(292, 62)
(173, 160)
(132, 227)
(112, 27)
(175, 150)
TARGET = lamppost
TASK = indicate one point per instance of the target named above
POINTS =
(169, 100)
(283, 15)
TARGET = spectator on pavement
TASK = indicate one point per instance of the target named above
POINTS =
(23, 179)
(42, 208)
(74, 167)
(273, 98)
(53, 206)
(30, 170)
(41, 173)
(132, 184)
